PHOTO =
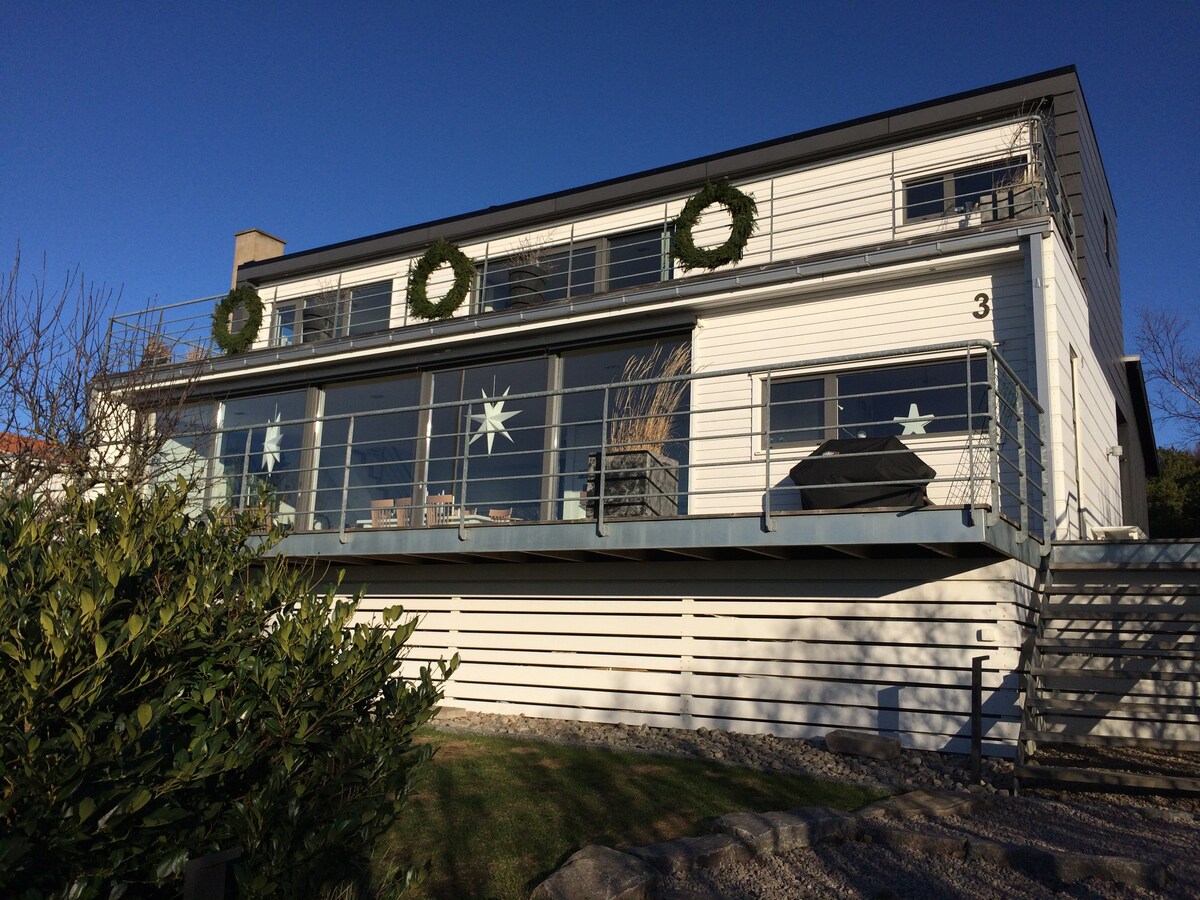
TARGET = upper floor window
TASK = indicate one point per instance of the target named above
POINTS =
(335, 313)
(962, 190)
(538, 277)
(928, 398)
(639, 257)
(610, 263)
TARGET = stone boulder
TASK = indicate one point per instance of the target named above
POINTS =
(860, 743)
(598, 873)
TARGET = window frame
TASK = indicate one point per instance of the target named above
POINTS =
(342, 299)
(498, 263)
(831, 426)
(952, 201)
(602, 277)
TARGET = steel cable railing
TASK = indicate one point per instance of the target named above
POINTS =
(983, 441)
(803, 214)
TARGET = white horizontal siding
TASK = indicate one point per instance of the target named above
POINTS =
(787, 648)
(1097, 501)
(831, 206)
(728, 463)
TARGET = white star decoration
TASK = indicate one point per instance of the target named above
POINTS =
(491, 420)
(272, 443)
(914, 422)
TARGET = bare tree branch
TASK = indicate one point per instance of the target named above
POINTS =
(75, 407)
(1172, 367)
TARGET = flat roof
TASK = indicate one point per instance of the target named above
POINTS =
(882, 128)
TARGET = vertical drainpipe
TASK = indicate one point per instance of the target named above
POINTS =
(1041, 351)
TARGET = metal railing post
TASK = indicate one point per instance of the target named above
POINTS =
(463, 534)
(768, 523)
(970, 435)
(994, 435)
(771, 219)
(977, 719)
(346, 479)
(1042, 481)
(601, 464)
(1022, 467)
(245, 491)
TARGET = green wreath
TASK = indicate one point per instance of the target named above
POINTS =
(244, 296)
(742, 209)
(441, 252)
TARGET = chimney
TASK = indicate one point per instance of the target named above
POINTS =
(254, 245)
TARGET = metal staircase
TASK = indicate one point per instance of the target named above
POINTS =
(1113, 692)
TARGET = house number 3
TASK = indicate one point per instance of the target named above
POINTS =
(984, 308)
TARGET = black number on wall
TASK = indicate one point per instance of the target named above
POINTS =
(985, 308)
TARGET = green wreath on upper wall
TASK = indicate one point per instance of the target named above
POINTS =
(742, 210)
(239, 341)
(442, 251)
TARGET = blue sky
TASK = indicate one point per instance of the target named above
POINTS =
(138, 137)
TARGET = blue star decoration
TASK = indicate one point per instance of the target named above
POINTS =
(491, 420)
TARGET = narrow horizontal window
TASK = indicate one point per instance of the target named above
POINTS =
(929, 398)
(992, 185)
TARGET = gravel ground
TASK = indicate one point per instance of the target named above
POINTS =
(913, 769)
(859, 870)
(1145, 827)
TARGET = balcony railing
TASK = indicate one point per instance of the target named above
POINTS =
(820, 210)
(734, 437)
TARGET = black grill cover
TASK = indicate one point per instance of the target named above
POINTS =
(845, 463)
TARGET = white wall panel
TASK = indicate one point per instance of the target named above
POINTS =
(789, 648)
(728, 460)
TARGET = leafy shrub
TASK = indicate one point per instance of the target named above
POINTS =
(1174, 496)
(167, 691)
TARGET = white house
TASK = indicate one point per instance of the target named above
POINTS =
(439, 409)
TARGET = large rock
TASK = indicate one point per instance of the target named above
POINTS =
(598, 873)
(1064, 867)
(860, 743)
(683, 855)
(934, 804)
(778, 832)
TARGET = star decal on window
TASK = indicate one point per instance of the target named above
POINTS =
(491, 420)
(914, 422)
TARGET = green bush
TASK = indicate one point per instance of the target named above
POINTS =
(1174, 496)
(166, 692)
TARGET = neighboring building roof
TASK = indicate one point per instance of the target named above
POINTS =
(20, 443)
(829, 141)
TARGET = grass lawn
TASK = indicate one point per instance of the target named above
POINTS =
(497, 815)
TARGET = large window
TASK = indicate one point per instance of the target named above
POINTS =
(927, 398)
(487, 447)
(583, 414)
(377, 422)
(185, 436)
(613, 263)
(639, 257)
(538, 277)
(511, 440)
(962, 190)
(258, 453)
(333, 313)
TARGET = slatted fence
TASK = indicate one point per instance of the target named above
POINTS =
(789, 648)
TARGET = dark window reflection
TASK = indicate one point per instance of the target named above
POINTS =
(383, 452)
(487, 446)
(582, 430)
(260, 443)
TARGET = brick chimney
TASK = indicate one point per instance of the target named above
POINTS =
(254, 245)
